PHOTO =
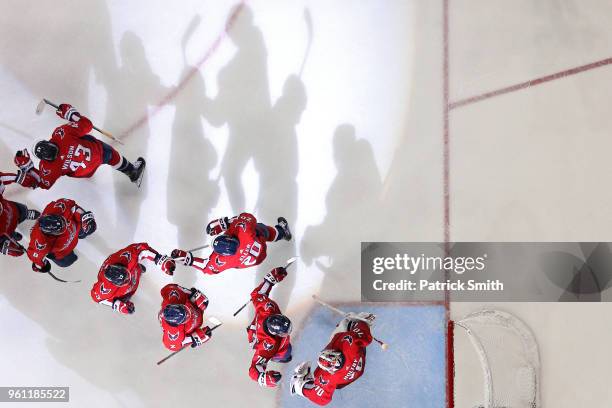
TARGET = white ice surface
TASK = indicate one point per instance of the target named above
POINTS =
(375, 66)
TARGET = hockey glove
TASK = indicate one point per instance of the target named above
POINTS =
(275, 275)
(362, 316)
(166, 264)
(123, 307)
(23, 160)
(42, 269)
(301, 376)
(68, 112)
(88, 225)
(27, 179)
(200, 336)
(216, 227)
(11, 249)
(269, 379)
(199, 299)
(182, 256)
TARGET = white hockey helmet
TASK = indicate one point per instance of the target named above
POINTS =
(331, 360)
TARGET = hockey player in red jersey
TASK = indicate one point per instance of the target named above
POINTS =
(181, 317)
(341, 363)
(120, 273)
(57, 233)
(240, 242)
(269, 332)
(11, 215)
(73, 152)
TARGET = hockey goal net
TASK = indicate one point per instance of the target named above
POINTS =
(507, 353)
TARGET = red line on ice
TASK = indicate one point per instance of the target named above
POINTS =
(171, 95)
(530, 83)
(450, 391)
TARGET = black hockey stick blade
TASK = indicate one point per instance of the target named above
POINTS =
(290, 262)
(62, 280)
(187, 346)
(241, 308)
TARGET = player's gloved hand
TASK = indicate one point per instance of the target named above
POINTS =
(23, 160)
(68, 112)
(200, 336)
(215, 227)
(88, 224)
(182, 256)
(123, 306)
(276, 275)
(11, 249)
(269, 379)
(199, 299)
(42, 269)
(301, 375)
(26, 179)
(362, 316)
(166, 264)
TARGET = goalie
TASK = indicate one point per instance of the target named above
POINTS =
(341, 363)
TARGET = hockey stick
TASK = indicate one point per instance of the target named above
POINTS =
(383, 345)
(290, 261)
(308, 19)
(41, 106)
(198, 248)
(195, 22)
(216, 323)
(26, 251)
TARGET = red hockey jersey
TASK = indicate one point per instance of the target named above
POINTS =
(352, 343)
(78, 157)
(60, 246)
(266, 345)
(130, 257)
(252, 249)
(174, 337)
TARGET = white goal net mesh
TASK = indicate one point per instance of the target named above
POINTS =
(509, 357)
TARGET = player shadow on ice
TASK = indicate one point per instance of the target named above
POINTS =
(112, 352)
(259, 133)
(134, 88)
(278, 169)
(243, 104)
(58, 47)
(58, 65)
(191, 191)
(582, 278)
(352, 201)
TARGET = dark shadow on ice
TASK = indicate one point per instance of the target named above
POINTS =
(135, 87)
(53, 49)
(243, 104)
(192, 191)
(277, 162)
(351, 202)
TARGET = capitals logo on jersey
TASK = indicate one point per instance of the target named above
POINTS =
(174, 294)
(348, 339)
(60, 205)
(127, 255)
(103, 290)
